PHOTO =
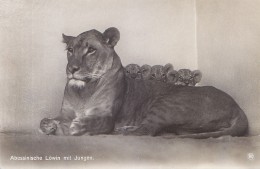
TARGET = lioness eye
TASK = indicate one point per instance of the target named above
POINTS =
(70, 50)
(139, 72)
(91, 50)
(163, 75)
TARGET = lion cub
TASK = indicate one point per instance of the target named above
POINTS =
(159, 72)
(53, 127)
(187, 77)
(172, 77)
(48, 126)
(158, 79)
(146, 72)
(133, 71)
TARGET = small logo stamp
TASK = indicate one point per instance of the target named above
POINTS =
(250, 156)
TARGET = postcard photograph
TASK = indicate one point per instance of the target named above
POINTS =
(148, 84)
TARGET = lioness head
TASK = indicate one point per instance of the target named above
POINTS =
(90, 55)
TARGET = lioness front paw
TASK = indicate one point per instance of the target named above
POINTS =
(76, 128)
(125, 129)
(140, 131)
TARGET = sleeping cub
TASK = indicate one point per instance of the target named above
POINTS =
(48, 126)
(53, 127)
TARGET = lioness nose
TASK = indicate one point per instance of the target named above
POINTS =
(73, 69)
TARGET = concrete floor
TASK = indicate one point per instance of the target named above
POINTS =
(110, 151)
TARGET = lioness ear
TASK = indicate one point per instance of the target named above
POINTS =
(168, 67)
(112, 36)
(146, 69)
(197, 75)
(67, 39)
(172, 76)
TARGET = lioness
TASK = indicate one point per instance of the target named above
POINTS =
(95, 83)
(96, 88)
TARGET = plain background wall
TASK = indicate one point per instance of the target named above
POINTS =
(228, 34)
(33, 59)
